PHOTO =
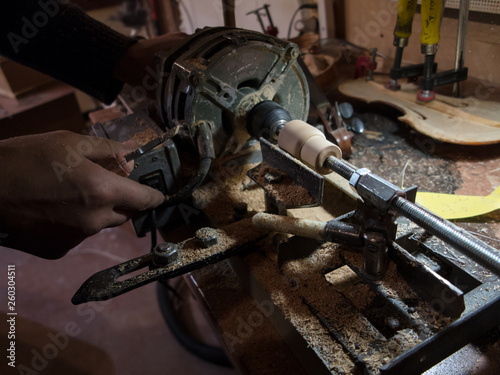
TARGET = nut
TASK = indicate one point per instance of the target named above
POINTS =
(165, 253)
(206, 237)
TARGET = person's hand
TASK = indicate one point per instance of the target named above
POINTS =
(53, 193)
(137, 67)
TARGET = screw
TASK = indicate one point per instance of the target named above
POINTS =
(206, 237)
(165, 253)
(155, 158)
(292, 53)
(273, 177)
(198, 78)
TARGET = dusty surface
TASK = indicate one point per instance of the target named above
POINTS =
(347, 331)
(241, 322)
(284, 190)
(144, 137)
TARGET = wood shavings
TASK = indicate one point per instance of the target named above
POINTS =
(144, 137)
(284, 190)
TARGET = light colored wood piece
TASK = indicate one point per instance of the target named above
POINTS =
(468, 121)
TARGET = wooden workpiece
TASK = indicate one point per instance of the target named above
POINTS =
(307, 144)
(468, 121)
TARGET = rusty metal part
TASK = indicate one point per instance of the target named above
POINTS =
(386, 196)
(234, 239)
(206, 237)
(296, 177)
(165, 253)
(375, 255)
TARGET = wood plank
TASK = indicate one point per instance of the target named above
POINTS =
(467, 121)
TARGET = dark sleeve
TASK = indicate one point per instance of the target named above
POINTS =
(60, 40)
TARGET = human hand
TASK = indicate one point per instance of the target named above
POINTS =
(54, 194)
(137, 67)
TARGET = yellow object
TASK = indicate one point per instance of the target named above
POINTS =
(450, 206)
(431, 19)
(406, 12)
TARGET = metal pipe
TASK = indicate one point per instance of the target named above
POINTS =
(228, 13)
(463, 17)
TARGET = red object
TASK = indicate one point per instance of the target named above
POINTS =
(363, 66)
(272, 30)
(426, 99)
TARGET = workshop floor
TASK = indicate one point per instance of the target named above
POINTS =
(126, 335)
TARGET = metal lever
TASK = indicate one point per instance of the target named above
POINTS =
(192, 254)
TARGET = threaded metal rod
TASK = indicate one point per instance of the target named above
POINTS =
(453, 235)
(339, 167)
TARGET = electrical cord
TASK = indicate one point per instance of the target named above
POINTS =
(303, 6)
(206, 352)
(206, 151)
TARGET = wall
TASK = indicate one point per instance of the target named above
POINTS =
(370, 23)
(197, 14)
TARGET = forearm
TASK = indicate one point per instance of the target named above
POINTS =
(62, 41)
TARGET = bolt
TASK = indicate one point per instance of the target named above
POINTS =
(165, 253)
(273, 177)
(206, 237)
(198, 78)
(155, 158)
(292, 53)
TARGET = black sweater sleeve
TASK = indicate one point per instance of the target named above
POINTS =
(60, 40)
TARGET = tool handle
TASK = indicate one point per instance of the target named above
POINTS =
(406, 12)
(431, 11)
